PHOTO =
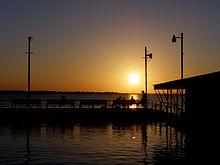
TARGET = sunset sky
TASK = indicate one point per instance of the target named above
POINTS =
(94, 45)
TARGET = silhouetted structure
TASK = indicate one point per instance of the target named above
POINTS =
(181, 47)
(146, 56)
(199, 94)
(29, 65)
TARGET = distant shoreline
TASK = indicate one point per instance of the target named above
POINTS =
(53, 92)
(60, 92)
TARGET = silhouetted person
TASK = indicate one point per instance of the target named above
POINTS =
(117, 102)
(132, 100)
(144, 99)
(123, 102)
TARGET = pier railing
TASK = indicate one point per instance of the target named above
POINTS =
(73, 103)
(89, 103)
(66, 103)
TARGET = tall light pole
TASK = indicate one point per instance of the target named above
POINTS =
(146, 56)
(181, 53)
(29, 64)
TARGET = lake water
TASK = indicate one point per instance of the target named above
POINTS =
(101, 142)
(90, 142)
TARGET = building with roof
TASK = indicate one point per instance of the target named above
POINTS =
(185, 97)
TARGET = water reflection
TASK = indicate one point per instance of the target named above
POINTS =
(28, 150)
(144, 143)
(87, 143)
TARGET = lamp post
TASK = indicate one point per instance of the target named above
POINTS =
(29, 64)
(181, 53)
(146, 56)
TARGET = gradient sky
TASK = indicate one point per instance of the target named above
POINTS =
(93, 45)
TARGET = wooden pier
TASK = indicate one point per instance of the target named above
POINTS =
(67, 103)
(88, 109)
(176, 102)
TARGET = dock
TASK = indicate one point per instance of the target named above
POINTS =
(86, 109)
(177, 101)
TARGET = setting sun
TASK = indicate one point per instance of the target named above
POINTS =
(133, 78)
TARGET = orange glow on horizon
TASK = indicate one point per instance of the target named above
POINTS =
(93, 46)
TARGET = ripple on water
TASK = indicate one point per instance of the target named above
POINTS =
(79, 143)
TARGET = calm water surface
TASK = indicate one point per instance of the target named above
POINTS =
(92, 143)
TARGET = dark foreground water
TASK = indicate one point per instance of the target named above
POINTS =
(93, 143)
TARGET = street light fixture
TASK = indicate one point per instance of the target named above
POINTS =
(174, 40)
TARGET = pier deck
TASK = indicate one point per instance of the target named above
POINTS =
(81, 109)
